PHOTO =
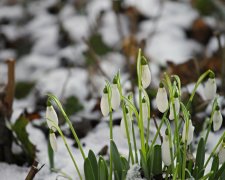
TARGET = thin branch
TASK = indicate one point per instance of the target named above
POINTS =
(95, 58)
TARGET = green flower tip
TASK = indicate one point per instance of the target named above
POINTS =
(49, 102)
(105, 90)
(126, 110)
(115, 79)
(211, 75)
(51, 131)
(143, 61)
(143, 100)
(166, 132)
(217, 108)
(176, 95)
(130, 96)
(161, 85)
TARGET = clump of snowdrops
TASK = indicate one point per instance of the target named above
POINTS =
(170, 159)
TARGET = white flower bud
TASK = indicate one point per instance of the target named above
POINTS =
(217, 120)
(146, 76)
(177, 108)
(166, 157)
(190, 134)
(161, 99)
(210, 88)
(104, 104)
(53, 141)
(115, 101)
(144, 110)
(51, 116)
(123, 127)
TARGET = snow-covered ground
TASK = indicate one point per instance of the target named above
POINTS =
(42, 64)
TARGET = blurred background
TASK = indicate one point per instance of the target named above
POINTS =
(70, 47)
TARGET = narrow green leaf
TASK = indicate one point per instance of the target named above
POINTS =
(125, 164)
(88, 171)
(200, 158)
(144, 165)
(117, 164)
(102, 169)
(157, 168)
(215, 166)
(220, 172)
(94, 164)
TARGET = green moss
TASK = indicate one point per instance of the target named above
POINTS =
(72, 105)
(23, 89)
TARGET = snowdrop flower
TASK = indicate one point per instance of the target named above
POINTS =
(166, 157)
(210, 87)
(217, 119)
(144, 110)
(104, 104)
(51, 116)
(177, 107)
(53, 142)
(221, 153)
(146, 74)
(161, 98)
(115, 100)
(122, 124)
(190, 134)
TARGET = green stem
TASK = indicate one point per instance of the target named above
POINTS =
(127, 132)
(67, 147)
(214, 149)
(201, 78)
(55, 99)
(211, 119)
(135, 145)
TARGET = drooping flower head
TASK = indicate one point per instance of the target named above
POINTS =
(144, 109)
(166, 156)
(115, 100)
(53, 141)
(177, 107)
(51, 117)
(161, 98)
(104, 104)
(217, 119)
(190, 134)
(210, 87)
(146, 74)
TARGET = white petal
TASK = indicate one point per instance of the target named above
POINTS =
(191, 129)
(177, 108)
(210, 89)
(104, 105)
(123, 128)
(166, 151)
(146, 76)
(51, 116)
(53, 142)
(145, 111)
(221, 155)
(115, 97)
(161, 100)
(217, 120)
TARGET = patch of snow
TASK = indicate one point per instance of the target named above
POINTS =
(77, 26)
(13, 13)
(33, 67)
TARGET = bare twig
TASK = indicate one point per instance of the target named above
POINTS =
(33, 170)
(95, 58)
